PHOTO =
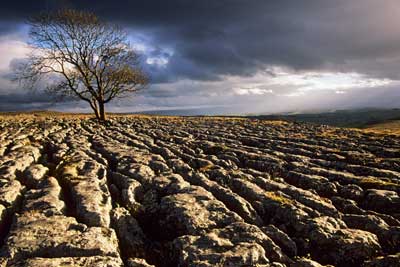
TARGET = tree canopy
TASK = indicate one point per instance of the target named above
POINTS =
(83, 57)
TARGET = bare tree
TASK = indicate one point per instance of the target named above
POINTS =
(85, 58)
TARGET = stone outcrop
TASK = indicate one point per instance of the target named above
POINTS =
(163, 191)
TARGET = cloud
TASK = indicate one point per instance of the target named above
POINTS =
(235, 37)
(11, 49)
(241, 55)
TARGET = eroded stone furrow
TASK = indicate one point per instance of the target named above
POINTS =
(42, 234)
(233, 201)
(135, 246)
(180, 209)
(323, 208)
(20, 155)
(331, 206)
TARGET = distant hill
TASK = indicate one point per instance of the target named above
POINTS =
(358, 118)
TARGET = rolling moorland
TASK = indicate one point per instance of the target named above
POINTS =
(206, 191)
(355, 118)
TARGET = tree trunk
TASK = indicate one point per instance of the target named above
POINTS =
(95, 109)
(102, 113)
(96, 113)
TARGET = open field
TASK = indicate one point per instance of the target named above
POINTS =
(353, 118)
(173, 191)
(389, 127)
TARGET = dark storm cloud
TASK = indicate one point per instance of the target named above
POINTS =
(24, 101)
(15, 98)
(203, 40)
(7, 27)
(239, 37)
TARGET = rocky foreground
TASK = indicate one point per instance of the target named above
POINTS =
(147, 191)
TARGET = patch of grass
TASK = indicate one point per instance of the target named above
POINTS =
(206, 168)
(70, 169)
(276, 122)
(373, 183)
(390, 127)
(278, 198)
(221, 147)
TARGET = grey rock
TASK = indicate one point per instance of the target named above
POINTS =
(192, 212)
(238, 244)
(129, 233)
(11, 193)
(34, 174)
(351, 191)
(383, 201)
(158, 166)
(34, 235)
(303, 262)
(82, 175)
(98, 261)
(385, 261)
(281, 239)
(332, 242)
(45, 200)
(137, 262)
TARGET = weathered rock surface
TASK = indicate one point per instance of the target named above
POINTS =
(238, 244)
(98, 261)
(34, 174)
(152, 191)
(130, 235)
(86, 181)
(333, 243)
(386, 261)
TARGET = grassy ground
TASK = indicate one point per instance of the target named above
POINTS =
(389, 127)
(51, 114)
(357, 118)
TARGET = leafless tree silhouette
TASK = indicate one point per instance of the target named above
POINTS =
(85, 57)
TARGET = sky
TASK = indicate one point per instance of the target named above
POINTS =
(234, 56)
